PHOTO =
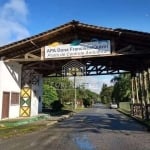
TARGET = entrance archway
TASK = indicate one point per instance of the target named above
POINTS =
(113, 50)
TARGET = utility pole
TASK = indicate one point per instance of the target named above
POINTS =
(75, 93)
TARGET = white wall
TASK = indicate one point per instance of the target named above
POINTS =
(36, 105)
(14, 111)
(10, 81)
(0, 90)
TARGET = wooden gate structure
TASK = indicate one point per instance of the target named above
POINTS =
(129, 52)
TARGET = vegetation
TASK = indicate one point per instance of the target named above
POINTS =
(87, 96)
(106, 94)
(7, 132)
(122, 88)
(62, 89)
(56, 89)
(119, 92)
(125, 106)
(56, 105)
(87, 102)
(49, 95)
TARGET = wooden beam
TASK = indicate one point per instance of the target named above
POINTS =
(41, 66)
(22, 60)
(34, 44)
(125, 49)
(29, 55)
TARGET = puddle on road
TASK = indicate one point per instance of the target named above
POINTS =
(83, 143)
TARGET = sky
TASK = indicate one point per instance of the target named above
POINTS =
(23, 18)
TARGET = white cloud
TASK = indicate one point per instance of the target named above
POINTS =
(13, 18)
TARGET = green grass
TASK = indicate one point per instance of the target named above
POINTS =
(125, 106)
(20, 121)
(7, 132)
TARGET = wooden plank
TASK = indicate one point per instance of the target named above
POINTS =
(42, 53)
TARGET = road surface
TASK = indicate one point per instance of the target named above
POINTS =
(97, 128)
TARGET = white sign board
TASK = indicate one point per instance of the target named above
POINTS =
(83, 49)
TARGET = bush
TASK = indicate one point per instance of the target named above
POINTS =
(87, 102)
(56, 105)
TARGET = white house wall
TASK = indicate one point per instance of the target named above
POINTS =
(10, 81)
(0, 89)
(14, 111)
(36, 98)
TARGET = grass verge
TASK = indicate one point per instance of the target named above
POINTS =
(7, 132)
(16, 127)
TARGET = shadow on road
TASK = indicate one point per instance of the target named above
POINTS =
(56, 113)
(101, 119)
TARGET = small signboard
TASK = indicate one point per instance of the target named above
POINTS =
(82, 49)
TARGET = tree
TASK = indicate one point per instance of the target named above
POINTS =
(62, 87)
(122, 88)
(85, 95)
(67, 90)
(49, 95)
(106, 94)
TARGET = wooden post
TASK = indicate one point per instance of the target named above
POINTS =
(146, 98)
(113, 46)
(132, 106)
(42, 53)
(141, 94)
(136, 89)
(132, 88)
(148, 85)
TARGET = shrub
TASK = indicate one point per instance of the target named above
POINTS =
(87, 102)
(56, 105)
